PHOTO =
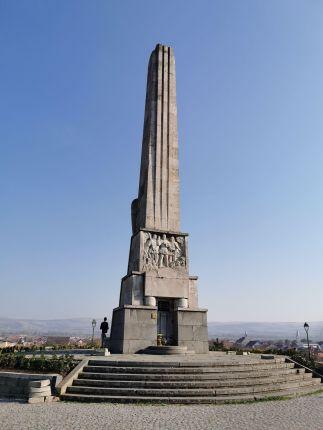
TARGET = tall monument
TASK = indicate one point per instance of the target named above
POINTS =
(158, 296)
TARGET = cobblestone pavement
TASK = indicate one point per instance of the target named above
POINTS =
(298, 414)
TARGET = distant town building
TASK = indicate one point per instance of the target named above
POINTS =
(57, 340)
(242, 341)
(254, 344)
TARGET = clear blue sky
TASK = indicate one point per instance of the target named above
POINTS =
(250, 103)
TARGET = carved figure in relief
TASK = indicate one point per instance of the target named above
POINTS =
(160, 251)
(180, 258)
(150, 251)
(155, 249)
(163, 252)
(147, 250)
(175, 251)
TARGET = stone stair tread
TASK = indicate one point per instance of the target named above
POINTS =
(227, 363)
(142, 391)
(192, 383)
(190, 376)
(176, 370)
(266, 388)
(167, 350)
(189, 400)
(175, 392)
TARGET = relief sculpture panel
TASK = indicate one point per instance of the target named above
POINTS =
(161, 250)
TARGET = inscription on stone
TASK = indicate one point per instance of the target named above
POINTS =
(161, 250)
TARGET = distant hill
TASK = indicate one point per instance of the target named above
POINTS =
(68, 327)
(265, 330)
(229, 330)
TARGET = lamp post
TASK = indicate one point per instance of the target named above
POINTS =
(93, 327)
(306, 328)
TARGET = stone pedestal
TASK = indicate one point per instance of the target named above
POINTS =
(133, 329)
(192, 330)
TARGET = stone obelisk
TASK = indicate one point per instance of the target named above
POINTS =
(158, 297)
(157, 206)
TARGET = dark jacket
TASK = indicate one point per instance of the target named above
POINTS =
(104, 326)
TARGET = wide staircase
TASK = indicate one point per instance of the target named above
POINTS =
(222, 381)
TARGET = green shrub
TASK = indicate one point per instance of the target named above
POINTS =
(63, 364)
(215, 345)
(300, 357)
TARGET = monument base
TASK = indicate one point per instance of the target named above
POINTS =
(134, 328)
(192, 329)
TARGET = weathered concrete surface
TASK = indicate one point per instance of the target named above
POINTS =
(63, 383)
(16, 384)
(157, 205)
(192, 330)
(297, 414)
(133, 328)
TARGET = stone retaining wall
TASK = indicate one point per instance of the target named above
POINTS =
(16, 385)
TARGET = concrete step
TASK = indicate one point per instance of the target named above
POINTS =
(189, 376)
(145, 392)
(214, 369)
(192, 392)
(229, 391)
(226, 362)
(190, 384)
(167, 350)
(190, 400)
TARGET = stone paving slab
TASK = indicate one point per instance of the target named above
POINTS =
(185, 359)
(297, 414)
(212, 357)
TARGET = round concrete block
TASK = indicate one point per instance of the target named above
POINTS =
(40, 383)
(182, 303)
(43, 390)
(39, 389)
(36, 400)
(40, 395)
(150, 301)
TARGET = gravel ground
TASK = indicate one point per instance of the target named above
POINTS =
(297, 414)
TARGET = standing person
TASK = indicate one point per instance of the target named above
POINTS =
(104, 327)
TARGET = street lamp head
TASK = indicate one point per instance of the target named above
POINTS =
(93, 323)
(306, 327)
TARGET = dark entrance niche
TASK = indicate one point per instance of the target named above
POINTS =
(166, 319)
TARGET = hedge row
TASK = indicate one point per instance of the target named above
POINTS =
(54, 347)
(300, 357)
(62, 365)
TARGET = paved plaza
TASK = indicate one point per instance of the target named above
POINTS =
(297, 414)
